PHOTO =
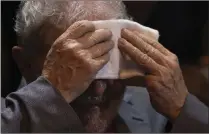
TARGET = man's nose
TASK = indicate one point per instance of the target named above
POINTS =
(100, 86)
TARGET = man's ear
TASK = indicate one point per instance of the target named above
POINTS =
(20, 58)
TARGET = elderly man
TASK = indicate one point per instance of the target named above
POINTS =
(70, 66)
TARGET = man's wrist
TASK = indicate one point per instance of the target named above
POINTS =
(175, 114)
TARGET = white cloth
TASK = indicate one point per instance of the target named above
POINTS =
(117, 63)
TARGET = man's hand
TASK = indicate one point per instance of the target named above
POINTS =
(75, 58)
(164, 79)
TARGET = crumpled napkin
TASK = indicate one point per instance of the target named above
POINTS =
(120, 66)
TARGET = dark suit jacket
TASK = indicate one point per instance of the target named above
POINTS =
(38, 107)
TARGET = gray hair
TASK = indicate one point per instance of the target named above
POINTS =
(61, 14)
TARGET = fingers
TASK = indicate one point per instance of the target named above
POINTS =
(78, 29)
(142, 45)
(101, 49)
(153, 43)
(139, 57)
(101, 61)
(96, 37)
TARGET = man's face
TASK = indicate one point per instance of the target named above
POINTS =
(97, 106)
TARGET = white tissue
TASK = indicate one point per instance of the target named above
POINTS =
(116, 62)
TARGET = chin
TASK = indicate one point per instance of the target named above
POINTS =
(97, 111)
(97, 118)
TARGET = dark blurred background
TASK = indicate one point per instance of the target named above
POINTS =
(183, 28)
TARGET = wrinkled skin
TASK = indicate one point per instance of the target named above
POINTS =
(75, 58)
(164, 80)
(77, 55)
(71, 65)
(98, 116)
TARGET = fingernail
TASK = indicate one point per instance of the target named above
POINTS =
(120, 41)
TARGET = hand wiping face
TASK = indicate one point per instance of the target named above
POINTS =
(121, 66)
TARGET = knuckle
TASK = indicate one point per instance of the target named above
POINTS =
(174, 57)
(93, 39)
(150, 50)
(71, 45)
(76, 29)
(78, 57)
(134, 37)
(137, 33)
(58, 43)
(164, 51)
(83, 54)
(174, 62)
(154, 43)
(175, 66)
(80, 23)
(98, 51)
(80, 26)
(145, 58)
(135, 51)
(108, 33)
(83, 25)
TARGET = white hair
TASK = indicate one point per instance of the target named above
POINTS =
(61, 14)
